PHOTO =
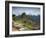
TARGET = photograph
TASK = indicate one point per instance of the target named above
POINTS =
(25, 18)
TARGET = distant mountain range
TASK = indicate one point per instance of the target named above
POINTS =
(32, 17)
(35, 18)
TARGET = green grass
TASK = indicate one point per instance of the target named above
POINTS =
(27, 24)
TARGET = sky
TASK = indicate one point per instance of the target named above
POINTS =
(28, 10)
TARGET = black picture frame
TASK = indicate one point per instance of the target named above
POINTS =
(7, 18)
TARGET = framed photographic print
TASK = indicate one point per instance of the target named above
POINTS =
(24, 18)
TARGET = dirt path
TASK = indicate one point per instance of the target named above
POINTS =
(14, 29)
(16, 26)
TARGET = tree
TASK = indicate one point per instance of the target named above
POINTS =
(23, 14)
(14, 17)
